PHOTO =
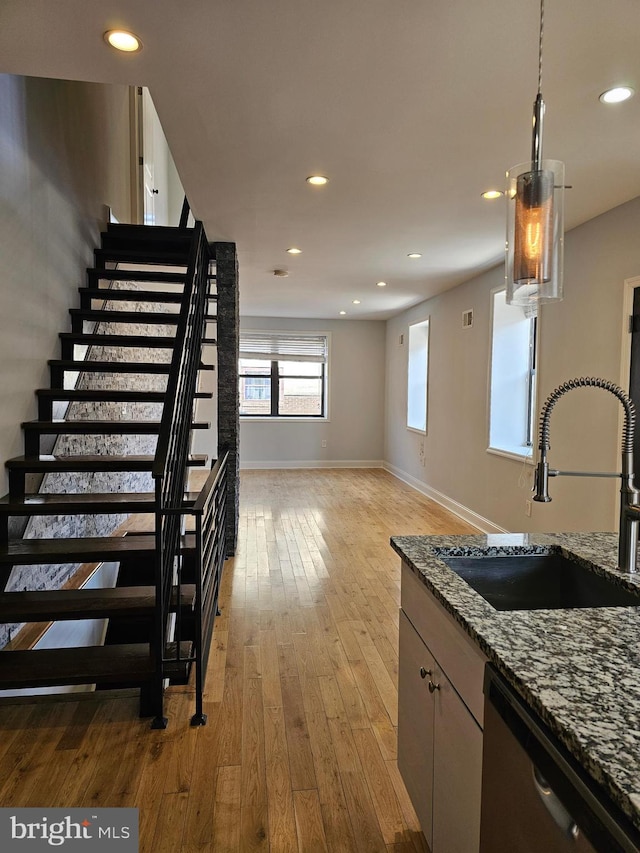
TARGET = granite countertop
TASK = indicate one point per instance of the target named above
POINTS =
(579, 669)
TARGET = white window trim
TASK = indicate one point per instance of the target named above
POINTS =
(424, 321)
(519, 453)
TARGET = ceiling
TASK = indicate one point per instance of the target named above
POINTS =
(412, 108)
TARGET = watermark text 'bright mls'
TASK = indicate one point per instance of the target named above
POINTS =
(80, 830)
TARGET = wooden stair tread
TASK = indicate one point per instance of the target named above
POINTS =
(50, 605)
(90, 366)
(85, 550)
(116, 395)
(121, 295)
(131, 231)
(143, 256)
(150, 276)
(85, 427)
(141, 341)
(150, 317)
(47, 463)
(86, 665)
(79, 503)
(84, 503)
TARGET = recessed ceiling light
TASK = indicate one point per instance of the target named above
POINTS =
(356, 301)
(414, 255)
(294, 251)
(317, 180)
(123, 40)
(616, 95)
(343, 312)
(492, 194)
(381, 283)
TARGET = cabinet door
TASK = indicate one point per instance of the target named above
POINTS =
(415, 724)
(457, 773)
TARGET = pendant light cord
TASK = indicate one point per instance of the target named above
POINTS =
(538, 107)
(540, 47)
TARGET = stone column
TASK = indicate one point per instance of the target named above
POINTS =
(228, 403)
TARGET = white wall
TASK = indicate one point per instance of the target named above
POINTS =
(64, 157)
(354, 430)
(581, 336)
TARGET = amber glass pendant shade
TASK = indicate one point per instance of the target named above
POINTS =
(535, 233)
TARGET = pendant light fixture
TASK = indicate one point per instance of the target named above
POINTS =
(535, 217)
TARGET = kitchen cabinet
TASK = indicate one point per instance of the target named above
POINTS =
(439, 735)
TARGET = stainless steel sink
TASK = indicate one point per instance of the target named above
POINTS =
(539, 582)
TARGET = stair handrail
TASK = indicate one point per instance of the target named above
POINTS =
(184, 213)
(172, 450)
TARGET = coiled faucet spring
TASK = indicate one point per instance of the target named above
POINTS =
(629, 495)
(628, 431)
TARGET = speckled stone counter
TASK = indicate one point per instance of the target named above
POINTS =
(578, 669)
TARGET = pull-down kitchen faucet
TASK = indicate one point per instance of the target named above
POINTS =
(629, 495)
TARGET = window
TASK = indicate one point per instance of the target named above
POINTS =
(418, 368)
(513, 378)
(283, 374)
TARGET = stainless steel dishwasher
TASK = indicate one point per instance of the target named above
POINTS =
(535, 797)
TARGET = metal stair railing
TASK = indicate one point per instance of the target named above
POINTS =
(209, 512)
(170, 466)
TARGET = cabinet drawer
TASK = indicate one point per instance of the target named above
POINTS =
(453, 649)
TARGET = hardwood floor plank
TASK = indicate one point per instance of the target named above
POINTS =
(282, 821)
(198, 826)
(33, 757)
(171, 819)
(309, 826)
(226, 825)
(381, 789)
(300, 757)
(254, 783)
(82, 719)
(181, 742)
(149, 796)
(214, 681)
(254, 828)
(336, 819)
(366, 829)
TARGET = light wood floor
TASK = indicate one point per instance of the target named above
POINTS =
(299, 753)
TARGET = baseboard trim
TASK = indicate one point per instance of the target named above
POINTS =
(483, 524)
(249, 465)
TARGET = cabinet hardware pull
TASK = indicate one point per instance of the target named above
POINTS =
(433, 687)
(424, 672)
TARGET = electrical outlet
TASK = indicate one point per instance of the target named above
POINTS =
(527, 509)
(324, 442)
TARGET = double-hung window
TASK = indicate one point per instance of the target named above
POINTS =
(513, 378)
(417, 376)
(283, 374)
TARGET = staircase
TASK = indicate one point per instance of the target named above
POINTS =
(113, 438)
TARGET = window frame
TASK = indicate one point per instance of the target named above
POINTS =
(274, 377)
(514, 450)
(424, 323)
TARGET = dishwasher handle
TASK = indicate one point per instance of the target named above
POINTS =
(553, 805)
